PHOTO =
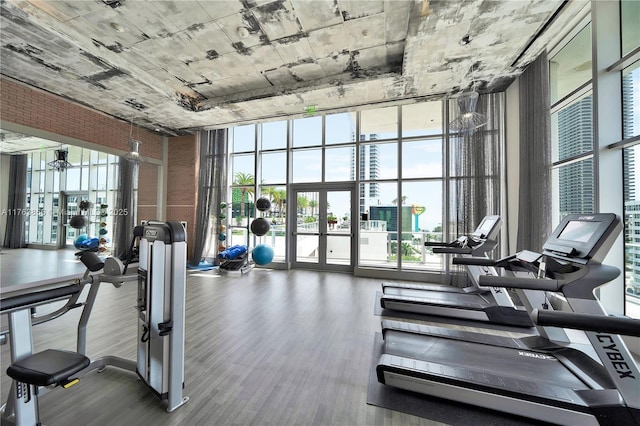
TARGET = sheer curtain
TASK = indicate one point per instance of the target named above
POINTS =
(125, 202)
(211, 190)
(14, 235)
(475, 164)
(535, 202)
(475, 168)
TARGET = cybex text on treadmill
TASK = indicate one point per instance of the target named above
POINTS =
(617, 360)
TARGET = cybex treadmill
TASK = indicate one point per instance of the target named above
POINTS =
(548, 382)
(475, 302)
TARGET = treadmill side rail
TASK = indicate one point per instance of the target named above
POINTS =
(534, 400)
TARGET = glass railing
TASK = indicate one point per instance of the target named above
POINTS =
(381, 249)
(378, 247)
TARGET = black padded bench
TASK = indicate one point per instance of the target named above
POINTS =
(49, 367)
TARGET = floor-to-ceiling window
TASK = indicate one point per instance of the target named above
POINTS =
(395, 155)
(606, 40)
(572, 125)
(630, 75)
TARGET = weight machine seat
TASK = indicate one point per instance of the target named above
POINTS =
(51, 366)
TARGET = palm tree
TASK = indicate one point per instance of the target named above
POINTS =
(403, 198)
(303, 203)
(279, 198)
(313, 204)
(407, 249)
(246, 182)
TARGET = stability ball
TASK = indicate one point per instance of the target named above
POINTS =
(78, 221)
(262, 254)
(80, 239)
(263, 204)
(260, 226)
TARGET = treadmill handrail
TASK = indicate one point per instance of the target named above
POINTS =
(478, 261)
(587, 322)
(519, 282)
(441, 244)
(452, 250)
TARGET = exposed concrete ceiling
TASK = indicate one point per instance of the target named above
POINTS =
(17, 143)
(181, 65)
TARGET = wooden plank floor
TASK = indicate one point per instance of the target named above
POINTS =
(269, 347)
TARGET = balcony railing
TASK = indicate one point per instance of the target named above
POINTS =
(378, 247)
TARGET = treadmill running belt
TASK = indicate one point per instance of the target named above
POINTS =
(518, 364)
(461, 300)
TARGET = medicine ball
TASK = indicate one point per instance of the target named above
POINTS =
(260, 226)
(78, 221)
(263, 204)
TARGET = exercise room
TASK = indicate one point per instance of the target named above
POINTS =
(327, 212)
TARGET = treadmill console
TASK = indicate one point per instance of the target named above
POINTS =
(488, 228)
(583, 237)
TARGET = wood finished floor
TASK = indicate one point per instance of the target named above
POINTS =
(267, 348)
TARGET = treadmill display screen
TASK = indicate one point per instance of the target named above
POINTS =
(485, 227)
(579, 231)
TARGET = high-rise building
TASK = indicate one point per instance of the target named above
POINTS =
(575, 136)
(632, 246)
(369, 170)
(629, 129)
(630, 124)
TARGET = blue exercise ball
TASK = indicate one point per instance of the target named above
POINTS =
(222, 236)
(262, 254)
(80, 239)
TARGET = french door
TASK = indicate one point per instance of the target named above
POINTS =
(322, 223)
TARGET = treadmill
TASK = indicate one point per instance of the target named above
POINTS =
(541, 380)
(475, 302)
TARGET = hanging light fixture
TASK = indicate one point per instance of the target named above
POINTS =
(134, 151)
(134, 148)
(60, 164)
(468, 119)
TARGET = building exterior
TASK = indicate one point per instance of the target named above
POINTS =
(369, 170)
(575, 136)
(631, 205)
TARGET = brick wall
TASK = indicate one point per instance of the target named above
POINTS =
(21, 104)
(147, 192)
(182, 183)
(38, 109)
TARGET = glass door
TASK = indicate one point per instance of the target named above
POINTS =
(323, 236)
